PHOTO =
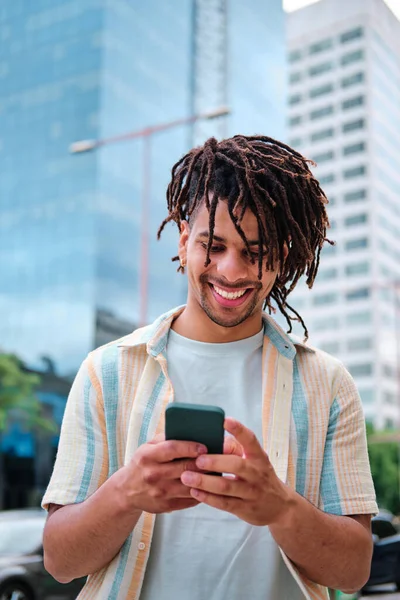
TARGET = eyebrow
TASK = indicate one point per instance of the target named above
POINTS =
(217, 238)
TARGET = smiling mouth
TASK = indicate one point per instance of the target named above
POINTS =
(230, 299)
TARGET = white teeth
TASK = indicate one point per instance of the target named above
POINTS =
(229, 295)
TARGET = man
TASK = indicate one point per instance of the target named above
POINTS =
(293, 515)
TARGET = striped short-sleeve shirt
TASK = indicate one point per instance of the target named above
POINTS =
(313, 432)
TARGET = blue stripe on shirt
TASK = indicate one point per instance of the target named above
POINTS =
(148, 413)
(300, 417)
(114, 592)
(329, 489)
(90, 444)
(109, 372)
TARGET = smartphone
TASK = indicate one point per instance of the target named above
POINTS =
(196, 423)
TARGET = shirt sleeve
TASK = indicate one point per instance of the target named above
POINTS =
(81, 464)
(346, 486)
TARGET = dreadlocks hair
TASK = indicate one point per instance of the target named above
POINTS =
(276, 184)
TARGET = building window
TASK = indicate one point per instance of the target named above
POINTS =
(323, 299)
(385, 271)
(361, 370)
(389, 226)
(329, 178)
(351, 57)
(354, 148)
(327, 274)
(352, 80)
(321, 91)
(321, 46)
(359, 344)
(293, 121)
(295, 99)
(295, 77)
(359, 294)
(326, 324)
(384, 246)
(355, 196)
(353, 34)
(356, 244)
(388, 371)
(320, 69)
(361, 268)
(352, 102)
(353, 125)
(295, 142)
(359, 318)
(294, 56)
(389, 398)
(354, 172)
(328, 249)
(356, 220)
(330, 347)
(323, 134)
(324, 157)
(367, 396)
(385, 294)
(321, 112)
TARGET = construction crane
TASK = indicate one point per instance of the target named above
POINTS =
(209, 67)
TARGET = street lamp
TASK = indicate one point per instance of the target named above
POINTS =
(146, 134)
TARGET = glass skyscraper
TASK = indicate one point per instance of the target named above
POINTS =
(70, 224)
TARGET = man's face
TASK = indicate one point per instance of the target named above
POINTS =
(228, 289)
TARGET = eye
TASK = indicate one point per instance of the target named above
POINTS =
(253, 255)
(213, 248)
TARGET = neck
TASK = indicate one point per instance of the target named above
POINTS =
(194, 324)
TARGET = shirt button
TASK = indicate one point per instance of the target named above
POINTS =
(141, 546)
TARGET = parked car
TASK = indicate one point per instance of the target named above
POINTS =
(22, 573)
(385, 566)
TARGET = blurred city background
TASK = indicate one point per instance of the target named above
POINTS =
(98, 99)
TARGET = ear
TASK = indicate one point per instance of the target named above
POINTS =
(183, 241)
(285, 252)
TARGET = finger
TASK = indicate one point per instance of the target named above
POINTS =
(219, 486)
(174, 469)
(180, 504)
(222, 463)
(168, 491)
(173, 449)
(232, 446)
(173, 490)
(229, 504)
(245, 437)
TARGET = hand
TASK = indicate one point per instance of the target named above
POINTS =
(253, 492)
(152, 480)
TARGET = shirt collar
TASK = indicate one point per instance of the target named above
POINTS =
(155, 336)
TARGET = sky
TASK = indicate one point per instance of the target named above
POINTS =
(290, 5)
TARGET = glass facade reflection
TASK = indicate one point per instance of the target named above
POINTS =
(70, 225)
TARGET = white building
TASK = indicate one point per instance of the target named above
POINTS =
(344, 112)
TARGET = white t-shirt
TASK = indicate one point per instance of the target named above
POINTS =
(203, 553)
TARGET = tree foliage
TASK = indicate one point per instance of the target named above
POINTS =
(18, 398)
(385, 466)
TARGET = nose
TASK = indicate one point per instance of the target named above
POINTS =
(231, 266)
